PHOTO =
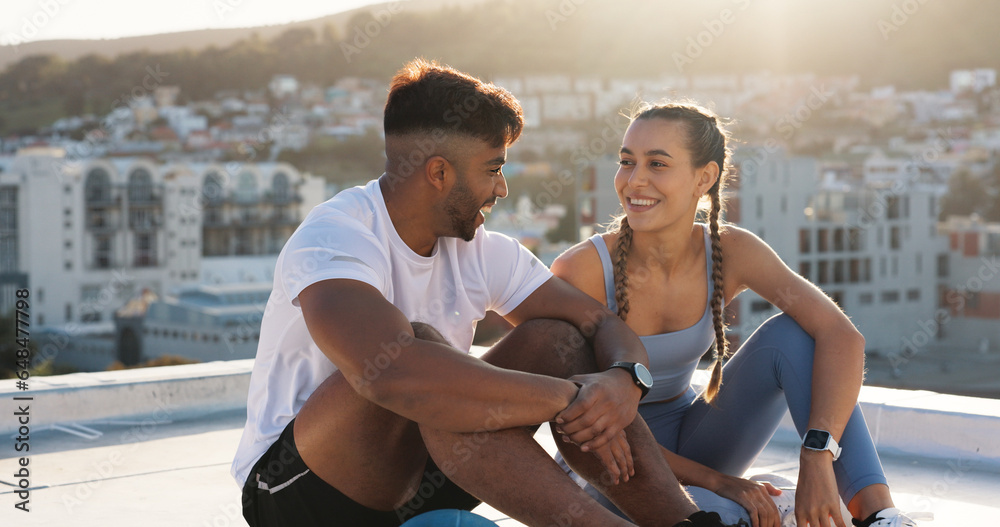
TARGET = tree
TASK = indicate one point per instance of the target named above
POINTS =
(966, 195)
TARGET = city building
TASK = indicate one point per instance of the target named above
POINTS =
(969, 295)
(87, 236)
(871, 246)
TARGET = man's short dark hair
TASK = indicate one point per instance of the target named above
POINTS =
(428, 97)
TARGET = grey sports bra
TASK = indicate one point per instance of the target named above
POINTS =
(673, 357)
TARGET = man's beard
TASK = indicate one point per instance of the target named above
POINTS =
(463, 209)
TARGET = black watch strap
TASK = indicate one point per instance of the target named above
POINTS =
(632, 368)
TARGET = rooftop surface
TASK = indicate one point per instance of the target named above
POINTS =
(154, 446)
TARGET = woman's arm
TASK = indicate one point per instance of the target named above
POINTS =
(838, 364)
(838, 367)
(753, 496)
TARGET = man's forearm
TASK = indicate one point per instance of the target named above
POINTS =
(614, 341)
(444, 388)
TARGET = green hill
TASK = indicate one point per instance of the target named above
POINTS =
(910, 43)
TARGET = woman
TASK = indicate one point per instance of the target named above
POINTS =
(669, 279)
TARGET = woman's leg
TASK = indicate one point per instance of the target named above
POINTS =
(771, 371)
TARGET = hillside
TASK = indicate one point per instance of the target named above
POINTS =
(196, 40)
(913, 44)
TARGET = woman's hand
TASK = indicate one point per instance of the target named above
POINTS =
(816, 496)
(755, 497)
(616, 456)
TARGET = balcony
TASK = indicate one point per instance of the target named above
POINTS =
(102, 200)
(103, 223)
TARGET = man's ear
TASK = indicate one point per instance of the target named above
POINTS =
(707, 176)
(437, 170)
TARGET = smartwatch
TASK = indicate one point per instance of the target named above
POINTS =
(640, 375)
(820, 440)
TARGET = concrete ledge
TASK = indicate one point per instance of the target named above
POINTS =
(165, 393)
(902, 422)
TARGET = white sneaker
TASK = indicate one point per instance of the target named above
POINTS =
(786, 501)
(892, 517)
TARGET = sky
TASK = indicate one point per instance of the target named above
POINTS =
(34, 20)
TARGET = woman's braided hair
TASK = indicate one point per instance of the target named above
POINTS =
(707, 140)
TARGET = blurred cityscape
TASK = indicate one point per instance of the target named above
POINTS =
(149, 232)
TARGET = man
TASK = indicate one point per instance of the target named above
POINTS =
(363, 386)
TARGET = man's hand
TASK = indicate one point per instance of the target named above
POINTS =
(604, 406)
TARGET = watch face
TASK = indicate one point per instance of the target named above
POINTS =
(816, 440)
(642, 373)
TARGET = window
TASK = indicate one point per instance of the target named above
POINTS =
(865, 299)
(854, 239)
(280, 187)
(824, 272)
(855, 271)
(145, 249)
(892, 204)
(838, 239)
(838, 272)
(805, 269)
(890, 297)
(866, 270)
(823, 245)
(8, 252)
(97, 189)
(140, 187)
(913, 295)
(942, 265)
(102, 252)
(246, 188)
(212, 189)
(895, 240)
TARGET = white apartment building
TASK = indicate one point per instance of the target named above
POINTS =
(874, 248)
(969, 297)
(86, 236)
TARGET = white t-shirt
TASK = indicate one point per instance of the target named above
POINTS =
(351, 236)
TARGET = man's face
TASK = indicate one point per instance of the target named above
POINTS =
(479, 182)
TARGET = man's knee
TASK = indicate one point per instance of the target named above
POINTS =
(562, 341)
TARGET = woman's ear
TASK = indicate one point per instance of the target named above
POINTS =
(707, 176)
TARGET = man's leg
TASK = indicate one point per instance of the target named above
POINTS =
(509, 470)
(373, 456)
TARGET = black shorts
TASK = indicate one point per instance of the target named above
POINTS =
(281, 490)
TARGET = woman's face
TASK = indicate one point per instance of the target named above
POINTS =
(656, 184)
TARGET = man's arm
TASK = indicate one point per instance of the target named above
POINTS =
(609, 399)
(429, 383)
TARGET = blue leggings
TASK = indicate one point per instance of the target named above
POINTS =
(771, 371)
